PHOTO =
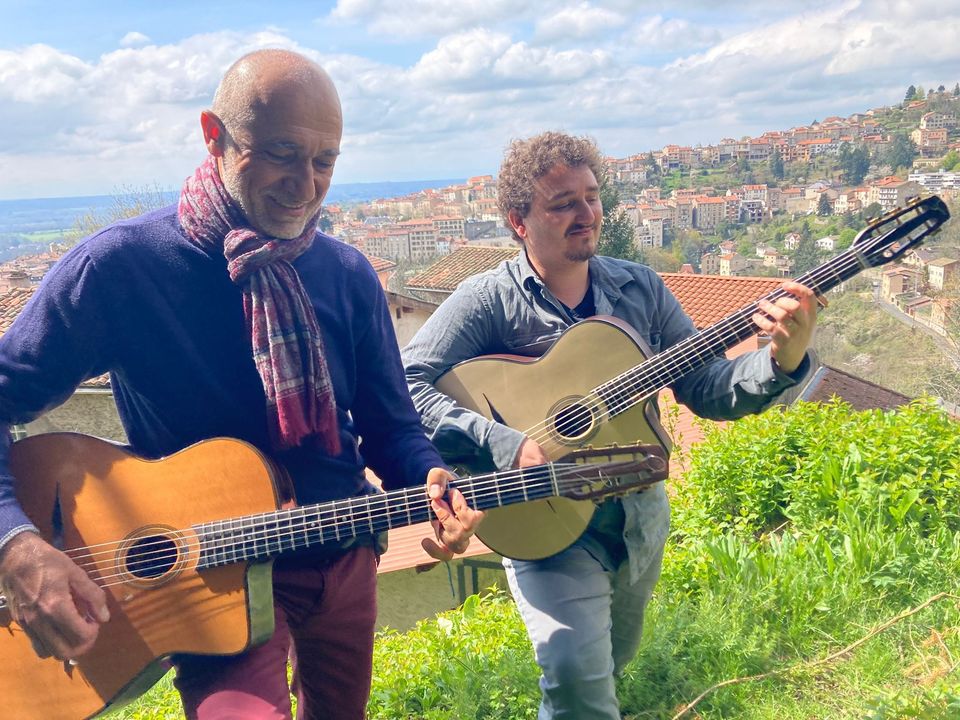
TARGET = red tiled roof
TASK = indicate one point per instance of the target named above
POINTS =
(380, 264)
(710, 298)
(828, 382)
(11, 303)
(448, 272)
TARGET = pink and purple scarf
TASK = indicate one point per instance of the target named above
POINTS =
(287, 344)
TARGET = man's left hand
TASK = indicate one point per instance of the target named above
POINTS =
(789, 322)
(455, 520)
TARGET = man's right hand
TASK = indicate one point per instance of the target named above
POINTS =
(55, 602)
(530, 454)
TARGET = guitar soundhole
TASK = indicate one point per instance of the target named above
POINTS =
(573, 422)
(151, 557)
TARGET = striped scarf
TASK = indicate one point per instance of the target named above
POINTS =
(287, 344)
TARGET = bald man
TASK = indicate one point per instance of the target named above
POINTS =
(230, 315)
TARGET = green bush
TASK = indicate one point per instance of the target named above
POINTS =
(471, 663)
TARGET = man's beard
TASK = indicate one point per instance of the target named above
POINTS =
(581, 254)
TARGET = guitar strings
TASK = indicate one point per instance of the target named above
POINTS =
(567, 474)
(411, 498)
(660, 368)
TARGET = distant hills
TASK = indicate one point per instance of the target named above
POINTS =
(37, 215)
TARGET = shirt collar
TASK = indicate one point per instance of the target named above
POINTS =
(608, 276)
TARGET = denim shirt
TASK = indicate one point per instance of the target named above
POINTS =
(510, 310)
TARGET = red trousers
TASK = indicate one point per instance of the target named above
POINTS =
(325, 617)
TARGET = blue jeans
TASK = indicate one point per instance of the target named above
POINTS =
(585, 624)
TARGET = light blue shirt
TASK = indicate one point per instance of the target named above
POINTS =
(510, 310)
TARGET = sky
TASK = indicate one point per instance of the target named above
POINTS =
(104, 96)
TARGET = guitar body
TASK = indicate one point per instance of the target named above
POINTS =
(104, 494)
(535, 393)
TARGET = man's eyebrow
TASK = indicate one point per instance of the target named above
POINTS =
(291, 145)
(564, 193)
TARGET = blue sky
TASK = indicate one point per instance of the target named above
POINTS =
(103, 96)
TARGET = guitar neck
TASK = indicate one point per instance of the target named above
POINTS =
(258, 537)
(644, 380)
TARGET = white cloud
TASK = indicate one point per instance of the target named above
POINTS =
(130, 115)
(419, 18)
(580, 22)
(134, 39)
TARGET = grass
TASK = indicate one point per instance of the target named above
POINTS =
(812, 573)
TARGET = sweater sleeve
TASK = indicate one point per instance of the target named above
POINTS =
(393, 442)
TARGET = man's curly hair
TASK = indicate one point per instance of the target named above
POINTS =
(527, 160)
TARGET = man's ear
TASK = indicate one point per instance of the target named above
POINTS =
(214, 134)
(516, 222)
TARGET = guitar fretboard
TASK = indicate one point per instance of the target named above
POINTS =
(257, 537)
(644, 380)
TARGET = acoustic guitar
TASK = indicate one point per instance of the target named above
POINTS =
(597, 384)
(183, 546)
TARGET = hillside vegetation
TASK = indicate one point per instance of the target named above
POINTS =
(812, 573)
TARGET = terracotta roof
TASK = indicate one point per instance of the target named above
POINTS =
(11, 303)
(828, 382)
(404, 551)
(448, 272)
(710, 298)
(380, 264)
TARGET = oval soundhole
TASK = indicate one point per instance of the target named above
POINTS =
(573, 421)
(151, 557)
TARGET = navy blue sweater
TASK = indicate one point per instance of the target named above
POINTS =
(140, 301)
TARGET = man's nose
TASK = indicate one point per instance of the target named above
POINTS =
(302, 182)
(586, 213)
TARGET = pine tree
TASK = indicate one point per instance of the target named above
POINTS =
(823, 205)
(617, 237)
(901, 152)
(911, 92)
(956, 90)
(805, 257)
(854, 163)
(776, 164)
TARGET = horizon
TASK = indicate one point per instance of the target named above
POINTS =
(425, 183)
(110, 96)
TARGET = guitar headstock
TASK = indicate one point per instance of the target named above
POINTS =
(888, 237)
(614, 470)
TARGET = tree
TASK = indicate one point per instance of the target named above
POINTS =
(911, 92)
(950, 160)
(956, 90)
(776, 164)
(901, 152)
(127, 203)
(854, 163)
(618, 235)
(805, 257)
(824, 207)
(873, 210)
(940, 88)
(650, 162)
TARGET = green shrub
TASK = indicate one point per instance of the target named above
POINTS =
(470, 663)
